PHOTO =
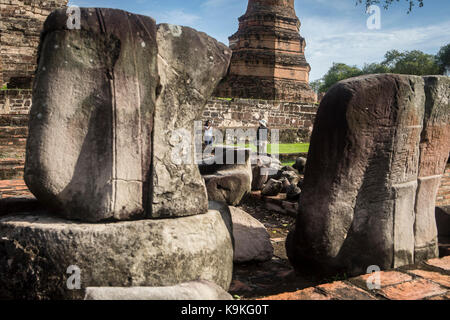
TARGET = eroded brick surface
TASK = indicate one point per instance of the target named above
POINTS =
(413, 290)
(387, 278)
(343, 291)
(443, 263)
(436, 277)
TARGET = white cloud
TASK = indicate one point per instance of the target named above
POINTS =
(177, 16)
(331, 41)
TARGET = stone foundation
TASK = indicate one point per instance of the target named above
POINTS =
(39, 253)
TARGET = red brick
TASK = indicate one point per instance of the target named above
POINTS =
(443, 297)
(388, 278)
(443, 263)
(342, 291)
(306, 294)
(413, 290)
(433, 276)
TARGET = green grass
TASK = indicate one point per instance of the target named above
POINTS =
(288, 164)
(5, 87)
(291, 148)
(282, 148)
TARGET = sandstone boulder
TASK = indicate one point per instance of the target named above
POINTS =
(196, 290)
(272, 188)
(251, 239)
(36, 252)
(300, 164)
(291, 176)
(105, 102)
(359, 199)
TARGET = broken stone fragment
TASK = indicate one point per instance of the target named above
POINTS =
(272, 188)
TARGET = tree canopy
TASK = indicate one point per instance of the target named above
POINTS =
(387, 3)
(443, 59)
(409, 62)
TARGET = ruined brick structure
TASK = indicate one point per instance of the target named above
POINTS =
(268, 55)
(20, 27)
(294, 120)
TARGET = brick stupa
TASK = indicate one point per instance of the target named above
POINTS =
(268, 55)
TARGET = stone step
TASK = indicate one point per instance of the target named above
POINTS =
(15, 120)
(13, 132)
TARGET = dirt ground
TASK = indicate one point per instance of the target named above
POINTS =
(257, 280)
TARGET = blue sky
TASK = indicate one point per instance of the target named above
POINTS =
(335, 30)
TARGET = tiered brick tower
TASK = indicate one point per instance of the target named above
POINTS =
(21, 23)
(268, 55)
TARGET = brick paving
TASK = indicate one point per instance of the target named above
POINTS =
(428, 280)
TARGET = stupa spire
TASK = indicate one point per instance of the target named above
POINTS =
(268, 55)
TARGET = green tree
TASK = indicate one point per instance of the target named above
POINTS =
(411, 62)
(387, 3)
(338, 72)
(315, 85)
(374, 68)
(443, 59)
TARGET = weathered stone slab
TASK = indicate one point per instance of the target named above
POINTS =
(37, 250)
(358, 196)
(196, 290)
(190, 65)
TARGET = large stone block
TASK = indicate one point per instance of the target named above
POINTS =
(37, 250)
(108, 100)
(363, 202)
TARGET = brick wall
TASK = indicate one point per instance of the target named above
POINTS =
(20, 27)
(15, 101)
(443, 197)
(245, 113)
